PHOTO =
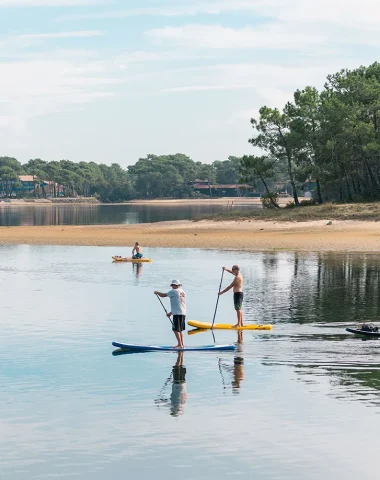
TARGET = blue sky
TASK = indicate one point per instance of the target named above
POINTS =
(111, 80)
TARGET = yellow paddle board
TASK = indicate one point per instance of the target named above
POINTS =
(228, 326)
(117, 258)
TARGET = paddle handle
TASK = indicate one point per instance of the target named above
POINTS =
(163, 306)
(217, 301)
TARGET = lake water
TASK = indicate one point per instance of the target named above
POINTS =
(298, 402)
(106, 214)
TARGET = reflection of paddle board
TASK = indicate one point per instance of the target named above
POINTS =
(227, 326)
(159, 348)
(195, 331)
(363, 332)
(116, 258)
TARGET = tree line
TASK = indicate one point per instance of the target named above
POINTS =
(151, 177)
(328, 140)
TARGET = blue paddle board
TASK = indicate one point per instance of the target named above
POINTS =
(159, 348)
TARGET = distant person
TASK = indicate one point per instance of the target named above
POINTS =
(138, 251)
(178, 309)
(237, 285)
(369, 328)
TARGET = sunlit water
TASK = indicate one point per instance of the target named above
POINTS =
(298, 402)
(109, 214)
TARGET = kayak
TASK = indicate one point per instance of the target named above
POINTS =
(363, 332)
(117, 258)
(164, 348)
(227, 326)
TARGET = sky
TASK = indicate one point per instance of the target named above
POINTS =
(114, 80)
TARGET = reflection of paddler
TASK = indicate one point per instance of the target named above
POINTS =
(238, 369)
(178, 395)
(138, 268)
(238, 372)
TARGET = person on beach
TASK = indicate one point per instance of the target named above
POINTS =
(138, 251)
(178, 309)
(237, 285)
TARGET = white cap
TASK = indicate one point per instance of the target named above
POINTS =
(176, 282)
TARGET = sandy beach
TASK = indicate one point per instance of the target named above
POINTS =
(315, 236)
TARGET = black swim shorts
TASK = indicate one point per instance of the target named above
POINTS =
(238, 300)
(179, 323)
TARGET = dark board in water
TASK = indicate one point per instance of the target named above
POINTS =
(105, 214)
(363, 332)
(167, 348)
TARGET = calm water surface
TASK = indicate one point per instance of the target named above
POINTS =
(299, 402)
(106, 214)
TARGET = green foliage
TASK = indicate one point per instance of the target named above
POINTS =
(151, 177)
(270, 200)
(329, 139)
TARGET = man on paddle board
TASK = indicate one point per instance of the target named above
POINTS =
(237, 285)
(178, 309)
(138, 251)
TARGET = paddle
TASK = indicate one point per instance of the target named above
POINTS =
(217, 301)
(163, 306)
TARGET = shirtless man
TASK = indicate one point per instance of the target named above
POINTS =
(138, 251)
(237, 285)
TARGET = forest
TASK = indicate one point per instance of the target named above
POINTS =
(327, 141)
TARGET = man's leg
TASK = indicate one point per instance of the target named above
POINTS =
(181, 337)
(237, 317)
(178, 337)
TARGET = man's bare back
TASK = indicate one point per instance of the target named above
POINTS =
(237, 285)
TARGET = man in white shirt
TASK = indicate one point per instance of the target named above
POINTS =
(178, 309)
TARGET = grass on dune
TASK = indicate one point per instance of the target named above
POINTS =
(327, 211)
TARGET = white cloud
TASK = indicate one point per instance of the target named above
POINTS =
(348, 13)
(185, 10)
(219, 37)
(78, 34)
(31, 88)
(47, 3)
(262, 78)
(10, 45)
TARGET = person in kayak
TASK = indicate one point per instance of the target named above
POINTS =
(178, 309)
(138, 251)
(237, 285)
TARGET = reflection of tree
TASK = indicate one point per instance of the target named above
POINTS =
(324, 287)
(343, 288)
(347, 383)
(178, 394)
(348, 365)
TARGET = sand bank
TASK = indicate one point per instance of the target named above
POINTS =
(316, 236)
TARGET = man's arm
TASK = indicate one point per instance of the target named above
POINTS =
(227, 270)
(229, 287)
(160, 294)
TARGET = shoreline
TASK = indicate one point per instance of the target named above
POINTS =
(250, 235)
(230, 201)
